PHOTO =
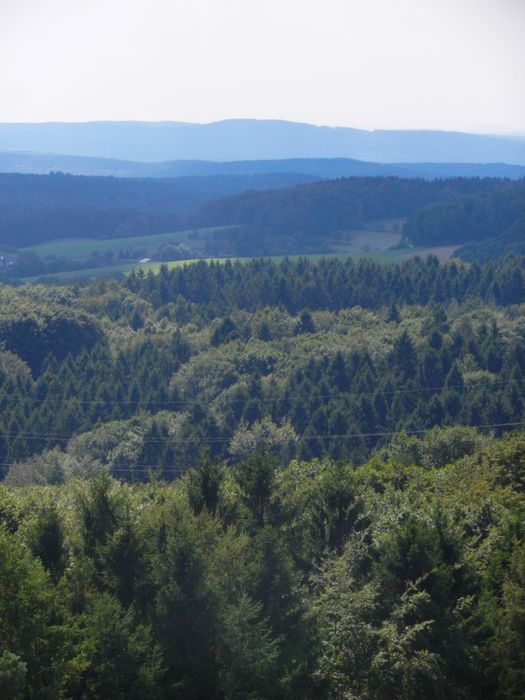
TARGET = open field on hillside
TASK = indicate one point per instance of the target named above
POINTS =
(376, 236)
(381, 256)
(385, 256)
(90, 273)
(82, 248)
(377, 240)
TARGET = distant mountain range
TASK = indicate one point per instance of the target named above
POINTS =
(255, 174)
(248, 139)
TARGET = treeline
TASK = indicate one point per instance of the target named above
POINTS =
(299, 219)
(38, 208)
(470, 218)
(403, 578)
(30, 226)
(314, 360)
(171, 194)
(512, 241)
(265, 481)
(331, 284)
(305, 218)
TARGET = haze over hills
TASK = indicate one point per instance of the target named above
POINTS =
(262, 382)
(284, 171)
(105, 223)
(36, 207)
(249, 139)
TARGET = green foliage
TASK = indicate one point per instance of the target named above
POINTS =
(47, 468)
(264, 512)
(299, 219)
(218, 357)
(224, 332)
(33, 331)
(12, 676)
(316, 580)
(436, 448)
(115, 657)
(471, 217)
(255, 479)
(319, 506)
(404, 666)
(204, 486)
(511, 241)
(98, 511)
(47, 541)
(248, 653)
(510, 634)
(30, 642)
(264, 434)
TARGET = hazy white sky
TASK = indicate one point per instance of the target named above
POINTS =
(445, 64)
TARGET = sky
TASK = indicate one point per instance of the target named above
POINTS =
(392, 64)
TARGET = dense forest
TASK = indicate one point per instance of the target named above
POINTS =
(306, 218)
(498, 215)
(37, 208)
(298, 219)
(154, 372)
(262, 480)
(511, 241)
(401, 578)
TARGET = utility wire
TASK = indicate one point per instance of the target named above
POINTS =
(288, 397)
(300, 438)
(183, 468)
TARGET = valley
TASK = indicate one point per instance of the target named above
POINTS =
(262, 350)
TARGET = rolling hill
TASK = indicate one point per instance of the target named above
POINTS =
(248, 139)
(278, 172)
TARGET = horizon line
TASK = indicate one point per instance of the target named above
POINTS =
(490, 131)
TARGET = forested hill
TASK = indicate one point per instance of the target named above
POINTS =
(217, 357)
(37, 208)
(249, 139)
(403, 578)
(296, 480)
(304, 214)
(330, 284)
(316, 168)
(511, 241)
(473, 217)
(274, 217)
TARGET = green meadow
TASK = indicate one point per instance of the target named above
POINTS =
(378, 240)
(82, 248)
(384, 256)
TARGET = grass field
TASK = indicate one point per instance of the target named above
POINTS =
(82, 248)
(384, 256)
(377, 236)
(91, 273)
(374, 237)
(378, 240)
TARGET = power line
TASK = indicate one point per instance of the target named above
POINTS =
(289, 397)
(137, 467)
(208, 440)
(159, 468)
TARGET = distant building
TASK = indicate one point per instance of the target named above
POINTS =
(8, 260)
